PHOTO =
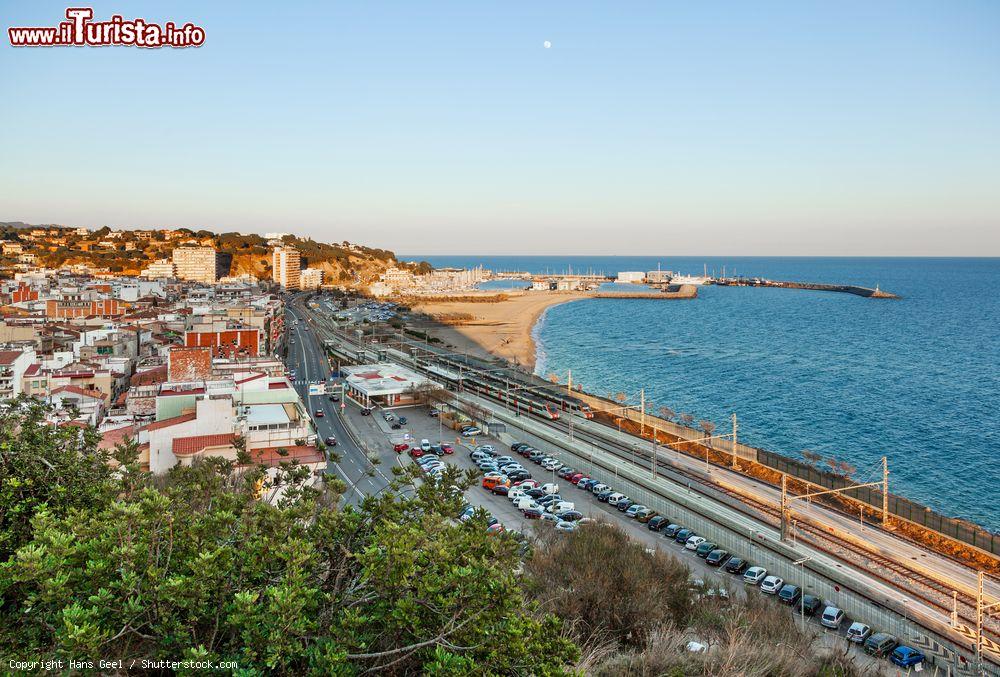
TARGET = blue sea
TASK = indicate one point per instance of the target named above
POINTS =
(916, 379)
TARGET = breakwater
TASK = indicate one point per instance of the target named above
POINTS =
(866, 292)
(684, 291)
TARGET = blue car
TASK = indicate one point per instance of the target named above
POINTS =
(906, 657)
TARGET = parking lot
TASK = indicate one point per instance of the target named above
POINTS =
(420, 425)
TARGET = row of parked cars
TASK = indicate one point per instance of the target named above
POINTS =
(505, 476)
(878, 644)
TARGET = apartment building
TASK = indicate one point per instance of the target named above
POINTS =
(286, 267)
(160, 269)
(311, 278)
(200, 264)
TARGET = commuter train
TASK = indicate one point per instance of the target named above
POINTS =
(518, 400)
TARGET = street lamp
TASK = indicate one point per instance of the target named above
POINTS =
(802, 597)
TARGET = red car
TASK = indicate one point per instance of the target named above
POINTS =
(576, 478)
(400, 447)
(416, 452)
(319, 413)
(447, 448)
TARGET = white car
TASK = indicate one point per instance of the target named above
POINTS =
(559, 507)
(425, 446)
(771, 585)
(832, 617)
(526, 503)
(693, 542)
(552, 464)
(615, 497)
(598, 488)
(515, 494)
(550, 488)
(488, 448)
(471, 432)
(858, 632)
(754, 575)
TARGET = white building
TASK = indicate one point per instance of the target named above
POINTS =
(161, 268)
(13, 364)
(384, 383)
(311, 278)
(196, 264)
(631, 277)
(286, 267)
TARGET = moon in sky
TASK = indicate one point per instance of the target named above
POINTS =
(546, 44)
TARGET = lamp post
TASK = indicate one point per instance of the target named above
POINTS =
(802, 598)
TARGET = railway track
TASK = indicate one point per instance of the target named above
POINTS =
(817, 537)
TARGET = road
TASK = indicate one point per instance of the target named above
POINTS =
(307, 358)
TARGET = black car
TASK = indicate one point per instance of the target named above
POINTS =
(657, 523)
(717, 558)
(737, 565)
(526, 451)
(534, 493)
(335, 398)
(625, 504)
(395, 425)
(402, 420)
(683, 535)
(518, 446)
(603, 496)
(366, 412)
(571, 516)
(670, 531)
(810, 604)
(790, 594)
(518, 475)
(331, 441)
(500, 489)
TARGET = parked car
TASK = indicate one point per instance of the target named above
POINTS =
(533, 513)
(395, 425)
(881, 644)
(571, 516)
(425, 445)
(906, 657)
(447, 448)
(558, 507)
(433, 413)
(754, 575)
(471, 431)
(518, 475)
(683, 535)
(331, 441)
(416, 452)
(858, 632)
(598, 488)
(645, 515)
(575, 478)
(563, 525)
(809, 604)
(536, 456)
(490, 482)
(624, 504)
(400, 447)
(614, 497)
(365, 411)
(705, 549)
(657, 522)
(633, 510)
(515, 493)
(693, 542)
(737, 565)
(388, 416)
(717, 557)
(501, 489)
(670, 531)
(604, 495)
(771, 585)
(518, 446)
(832, 617)
(402, 420)
(790, 594)
(550, 488)
(488, 448)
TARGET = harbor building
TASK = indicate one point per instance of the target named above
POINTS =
(631, 277)
(286, 267)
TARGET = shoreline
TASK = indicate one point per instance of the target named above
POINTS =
(504, 329)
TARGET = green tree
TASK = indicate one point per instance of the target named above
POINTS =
(45, 468)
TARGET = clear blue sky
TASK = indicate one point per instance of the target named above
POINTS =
(437, 127)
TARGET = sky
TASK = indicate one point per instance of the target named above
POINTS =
(648, 127)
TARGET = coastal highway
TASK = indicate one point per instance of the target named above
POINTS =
(308, 360)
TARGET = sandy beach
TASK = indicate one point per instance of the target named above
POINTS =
(494, 329)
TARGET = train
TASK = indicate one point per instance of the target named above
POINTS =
(519, 400)
(550, 399)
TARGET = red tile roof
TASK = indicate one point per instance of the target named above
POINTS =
(185, 446)
(77, 390)
(8, 356)
(33, 369)
(167, 422)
